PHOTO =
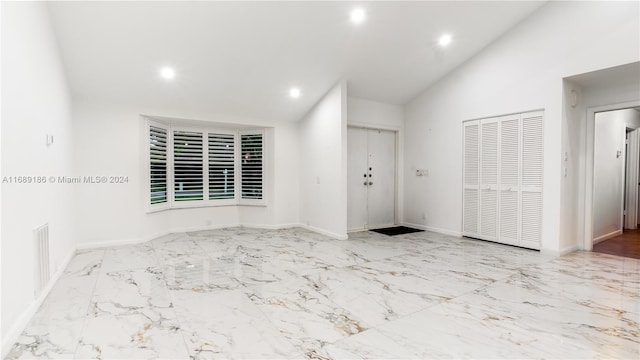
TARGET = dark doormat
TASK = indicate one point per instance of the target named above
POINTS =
(396, 230)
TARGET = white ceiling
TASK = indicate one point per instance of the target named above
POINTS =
(240, 58)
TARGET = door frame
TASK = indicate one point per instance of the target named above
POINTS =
(632, 161)
(397, 209)
(587, 227)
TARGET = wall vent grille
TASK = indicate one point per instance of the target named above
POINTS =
(42, 264)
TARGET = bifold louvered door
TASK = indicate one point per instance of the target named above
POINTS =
(502, 179)
(471, 179)
(509, 179)
(489, 179)
(531, 181)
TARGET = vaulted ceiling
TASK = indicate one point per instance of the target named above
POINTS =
(241, 58)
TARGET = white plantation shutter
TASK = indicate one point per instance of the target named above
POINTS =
(188, 166)
(471, 178)
(509, 178)
(158, 176)
(221, 166)
(199, 166)
(489, 178)
(532, 171)
(251, 165)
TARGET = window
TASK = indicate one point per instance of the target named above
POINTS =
(252, 166)
(222, 170)
(188, 166)
(158, 165)
(204, 167)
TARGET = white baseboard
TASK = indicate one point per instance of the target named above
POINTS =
(108, 243)
(140, 240)
(272, 227)
(325, 232)
(134, 241)
(569, 249)
(199, 228)
(434, 229)
(607, 236)
(11, 336)
(557, 253)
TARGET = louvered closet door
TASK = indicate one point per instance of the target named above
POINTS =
(489, 179)
(509, 179)
(531, 182)
(471, 178)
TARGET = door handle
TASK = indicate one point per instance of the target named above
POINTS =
(365, 183)
(370, 182)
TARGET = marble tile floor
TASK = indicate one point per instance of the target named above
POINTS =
(294, 294)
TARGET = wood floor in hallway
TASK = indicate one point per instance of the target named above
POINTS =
(627, 245)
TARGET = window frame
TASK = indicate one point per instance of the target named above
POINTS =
(171, 203)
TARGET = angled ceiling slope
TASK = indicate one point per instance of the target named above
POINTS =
(241, 58)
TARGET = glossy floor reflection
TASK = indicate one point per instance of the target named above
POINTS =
(291, 294)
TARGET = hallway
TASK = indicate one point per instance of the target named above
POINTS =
(627, 245)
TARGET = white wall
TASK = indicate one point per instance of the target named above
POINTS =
(110, 140)
(521, 71)
(610, 128)
(35, 102)
(571, 169)
(323, 164)
(367, 113)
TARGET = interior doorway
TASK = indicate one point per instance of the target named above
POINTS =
(584, 96)
(615, 182)
(371, 176)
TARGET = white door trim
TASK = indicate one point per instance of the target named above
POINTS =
(631, 179)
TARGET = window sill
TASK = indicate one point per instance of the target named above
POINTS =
(199, 206)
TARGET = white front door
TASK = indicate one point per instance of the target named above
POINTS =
(371, 176)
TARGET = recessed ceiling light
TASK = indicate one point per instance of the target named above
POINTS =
(445, 40)
(168, 73)
(357, 16)
(294, 93)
